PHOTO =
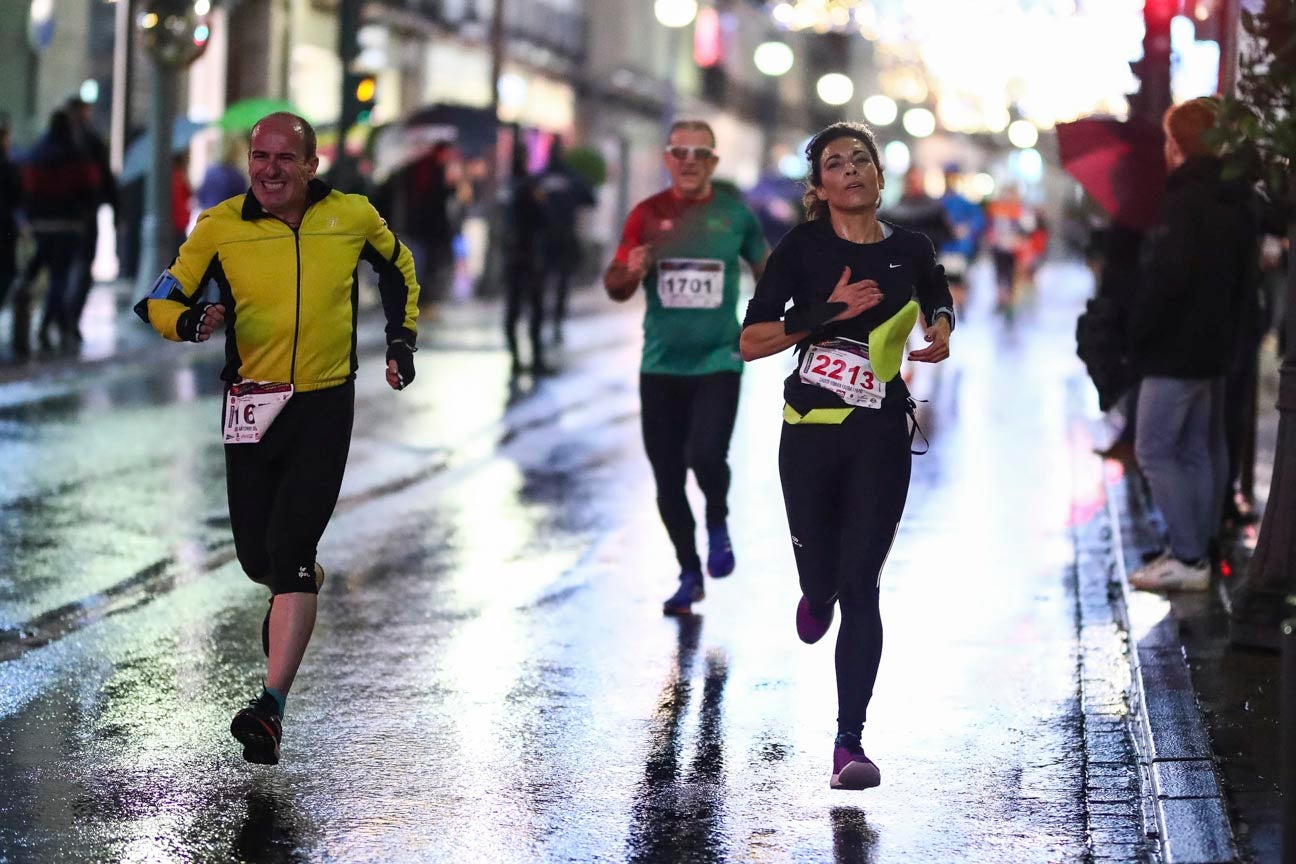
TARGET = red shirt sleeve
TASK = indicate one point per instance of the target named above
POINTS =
(631, 235)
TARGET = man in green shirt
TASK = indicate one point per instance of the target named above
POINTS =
(684, 245)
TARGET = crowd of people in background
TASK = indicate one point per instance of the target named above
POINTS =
(53, 199)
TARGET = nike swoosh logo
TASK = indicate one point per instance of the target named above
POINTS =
(893, 266)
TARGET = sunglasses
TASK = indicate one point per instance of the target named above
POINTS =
(701, 154)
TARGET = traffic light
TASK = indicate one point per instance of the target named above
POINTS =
(1153, 71)
(359, 92)
(366, 91)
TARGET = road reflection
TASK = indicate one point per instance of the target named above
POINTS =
(269, 833)
(681, 817)
(854, 842)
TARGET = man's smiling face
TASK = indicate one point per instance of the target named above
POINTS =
(278, 167)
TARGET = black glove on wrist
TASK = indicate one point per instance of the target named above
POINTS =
(187, 323)
(802, 318)
(403, 353)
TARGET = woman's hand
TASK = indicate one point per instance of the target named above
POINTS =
(938, 334)
(858, 296)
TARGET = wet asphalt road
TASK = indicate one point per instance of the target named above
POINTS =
(491, 678)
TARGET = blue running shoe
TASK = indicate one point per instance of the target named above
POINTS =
(689, 592)
(720, 557)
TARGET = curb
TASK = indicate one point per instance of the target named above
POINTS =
(1188, 803)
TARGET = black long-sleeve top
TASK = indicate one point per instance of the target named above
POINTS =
(1199, 265)
(806, 266)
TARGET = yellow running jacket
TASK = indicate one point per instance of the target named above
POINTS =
(290, 296)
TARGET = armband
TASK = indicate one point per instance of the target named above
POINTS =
(167, 287)
(800, 319)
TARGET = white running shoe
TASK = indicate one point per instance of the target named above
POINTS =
(1168, 573)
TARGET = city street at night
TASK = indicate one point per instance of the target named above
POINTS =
(647, 431)
(491, 678)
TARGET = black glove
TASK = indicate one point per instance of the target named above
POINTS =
(802, 318)
(187, 323)
(403, 353)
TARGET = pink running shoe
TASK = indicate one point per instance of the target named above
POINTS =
(811, 627)
(851, 768)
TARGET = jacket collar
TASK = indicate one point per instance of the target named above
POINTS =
(1196, 169)
(317, 190)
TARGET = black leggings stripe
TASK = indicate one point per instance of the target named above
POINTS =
(282, 490)
(844, 488)
(687, 423)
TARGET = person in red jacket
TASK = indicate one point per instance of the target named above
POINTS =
(181, 195)
(62, 187)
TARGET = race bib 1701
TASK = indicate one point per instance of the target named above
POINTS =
(690, 283)
(250, 408)
(841, 366)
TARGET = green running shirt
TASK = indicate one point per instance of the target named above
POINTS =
(691, 320)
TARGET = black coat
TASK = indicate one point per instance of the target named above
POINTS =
(11, 199)
(1198, 265)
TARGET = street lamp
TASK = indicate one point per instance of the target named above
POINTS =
(919, 122)
(175, 34)
(675, 13)
(880, 110)
(1022, 134)
(835, 88)
(773, 58)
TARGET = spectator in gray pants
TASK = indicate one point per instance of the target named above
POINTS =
(1183, 329)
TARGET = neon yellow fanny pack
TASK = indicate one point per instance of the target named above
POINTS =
(815, 416)
(887, 341)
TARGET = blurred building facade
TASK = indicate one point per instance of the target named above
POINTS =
(604, 73)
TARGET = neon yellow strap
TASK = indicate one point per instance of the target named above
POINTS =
(816, 416)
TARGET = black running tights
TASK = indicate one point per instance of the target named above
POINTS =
(844, 487)
(282, 490)
(687, 423)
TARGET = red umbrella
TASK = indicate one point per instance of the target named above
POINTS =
(1120, 163)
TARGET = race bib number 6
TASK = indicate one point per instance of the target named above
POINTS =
(690, 283)
(841, 366)
(250, 408)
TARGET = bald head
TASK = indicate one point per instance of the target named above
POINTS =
(282, 164)
(285, 121)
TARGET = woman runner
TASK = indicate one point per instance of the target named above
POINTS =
(845, 454)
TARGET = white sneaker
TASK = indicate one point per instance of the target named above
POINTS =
(1168, 573)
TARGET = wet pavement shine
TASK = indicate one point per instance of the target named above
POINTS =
(491, 678)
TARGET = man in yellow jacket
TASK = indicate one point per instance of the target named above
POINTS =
(284, 256)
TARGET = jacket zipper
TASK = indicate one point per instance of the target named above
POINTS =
(292, 372)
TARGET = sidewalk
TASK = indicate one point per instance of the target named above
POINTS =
(1208, 712)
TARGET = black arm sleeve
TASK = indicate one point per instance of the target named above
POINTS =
(933, 288)
(774, 289)
(394, 286)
